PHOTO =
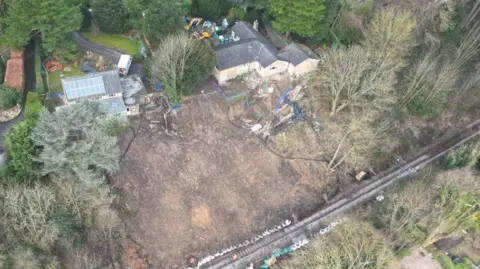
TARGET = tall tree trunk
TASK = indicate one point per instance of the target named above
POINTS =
(332, 161)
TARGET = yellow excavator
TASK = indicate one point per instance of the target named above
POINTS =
(205, 35)
(193, 21)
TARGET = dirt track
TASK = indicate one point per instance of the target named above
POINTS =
(212, 186)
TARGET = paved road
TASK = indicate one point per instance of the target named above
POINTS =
(30, 81)
(113, 54)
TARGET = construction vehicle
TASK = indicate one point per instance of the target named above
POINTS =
(205, 35)
(193, 22)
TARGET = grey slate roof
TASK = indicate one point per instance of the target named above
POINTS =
(296, 53)
(253, 46)
(245, 30)
(244, 51)
(90, 85)
(113, 105)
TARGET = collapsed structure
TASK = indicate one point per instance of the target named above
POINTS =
(251, 51)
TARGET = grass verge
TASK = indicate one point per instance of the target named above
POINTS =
(119, 42)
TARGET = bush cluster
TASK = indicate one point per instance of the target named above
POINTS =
(9, 97)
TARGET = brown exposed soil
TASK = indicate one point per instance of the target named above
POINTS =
(420, 259)
(17, 54)
(211, 186)
(15, 74)
(132, 258)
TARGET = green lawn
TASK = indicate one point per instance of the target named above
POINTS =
(119, 42)
(55, 78)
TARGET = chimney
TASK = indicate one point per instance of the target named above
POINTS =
(255, 25)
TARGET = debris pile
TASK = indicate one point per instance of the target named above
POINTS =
(251, 80)
(268, 108)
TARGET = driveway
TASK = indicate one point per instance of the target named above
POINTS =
(113, 54)
(30, 81)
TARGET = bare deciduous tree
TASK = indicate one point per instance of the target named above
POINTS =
(429, 208)
(83, 260)
(180, 62)
(409, 209)
(363, 132)
(389, 38)
(82, 200)
(28, 215)
(366, 74)
(24, 258)
(350, 245)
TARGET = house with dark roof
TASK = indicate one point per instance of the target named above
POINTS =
(251, 51)
(116, 94)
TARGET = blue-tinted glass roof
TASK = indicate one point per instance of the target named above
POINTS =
(83, 87)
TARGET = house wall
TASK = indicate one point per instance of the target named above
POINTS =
(274, 68)
(307, 66)
(133, 110)
(94, 98)
(231, 73)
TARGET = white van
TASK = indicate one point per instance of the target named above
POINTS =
(124, 64)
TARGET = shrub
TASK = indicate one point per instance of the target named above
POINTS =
(447, 263)
(21, 151)
(20, 154)
(9, 97)
(464, 156)
(237, 13)
(33, 107)
(66, 49)
(419, 107)
(213, 9)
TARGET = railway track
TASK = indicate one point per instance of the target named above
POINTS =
(362, 193)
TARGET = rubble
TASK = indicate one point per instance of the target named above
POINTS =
(251, 80)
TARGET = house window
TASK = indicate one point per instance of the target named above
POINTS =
(273, 68)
